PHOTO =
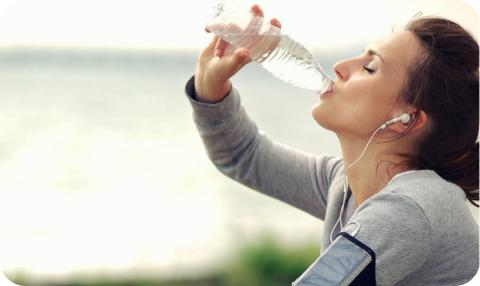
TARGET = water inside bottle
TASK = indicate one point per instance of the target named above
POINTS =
(278, 53)
(283, 57)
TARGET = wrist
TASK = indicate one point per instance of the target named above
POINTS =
(213, 93)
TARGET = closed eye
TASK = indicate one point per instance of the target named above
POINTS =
(369, 70)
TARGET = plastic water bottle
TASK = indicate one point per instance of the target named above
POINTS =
(278, 53)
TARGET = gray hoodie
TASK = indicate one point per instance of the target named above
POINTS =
(418, 226)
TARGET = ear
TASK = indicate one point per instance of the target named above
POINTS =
(418, 120)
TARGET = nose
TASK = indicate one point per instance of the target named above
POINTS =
(341, 70)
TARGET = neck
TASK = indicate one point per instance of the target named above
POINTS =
(374, 170)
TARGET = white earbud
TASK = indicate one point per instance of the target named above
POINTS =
(404, 118)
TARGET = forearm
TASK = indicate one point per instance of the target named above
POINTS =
(238, 150)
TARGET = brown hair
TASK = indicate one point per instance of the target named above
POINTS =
(444, 84)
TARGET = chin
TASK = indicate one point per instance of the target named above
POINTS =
(322, 118)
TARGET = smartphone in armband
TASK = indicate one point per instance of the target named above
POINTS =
(347, 261)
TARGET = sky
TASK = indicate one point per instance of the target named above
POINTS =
(179, 24)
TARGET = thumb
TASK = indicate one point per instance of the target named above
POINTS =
(239, 59)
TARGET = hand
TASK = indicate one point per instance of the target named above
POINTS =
(215, 65)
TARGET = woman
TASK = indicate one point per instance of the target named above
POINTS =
(395, 212)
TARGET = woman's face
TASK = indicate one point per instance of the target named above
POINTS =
(366, 88)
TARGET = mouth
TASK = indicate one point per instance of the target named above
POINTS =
(328, 90)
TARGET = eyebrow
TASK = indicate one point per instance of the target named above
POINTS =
(375, 53)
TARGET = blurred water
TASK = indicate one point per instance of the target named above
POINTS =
(102, 170)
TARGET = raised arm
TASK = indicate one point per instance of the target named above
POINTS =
(237, 148)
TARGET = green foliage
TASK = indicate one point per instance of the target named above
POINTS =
(267, 263)
(264, 262)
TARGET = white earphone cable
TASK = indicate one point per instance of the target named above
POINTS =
(346, 183)
(364, 149)
(341, 211)
(404, 118)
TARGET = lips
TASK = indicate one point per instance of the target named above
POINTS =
(329, 88)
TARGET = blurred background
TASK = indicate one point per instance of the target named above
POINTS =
(103, 177)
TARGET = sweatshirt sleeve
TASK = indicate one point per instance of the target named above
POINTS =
(236, 147)
(396, 229)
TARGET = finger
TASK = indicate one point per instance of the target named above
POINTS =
(220, 48)
(213, 43)
(238, 60)
(230, 50)
(208, 51)
(257, 11)
(276, 23)
(255, 23)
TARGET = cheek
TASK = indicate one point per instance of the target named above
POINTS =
(358, 89)
(358, 107)
(370, 109)
(336, 112)
(366, 95)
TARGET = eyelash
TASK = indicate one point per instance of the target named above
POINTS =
(369, 70)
